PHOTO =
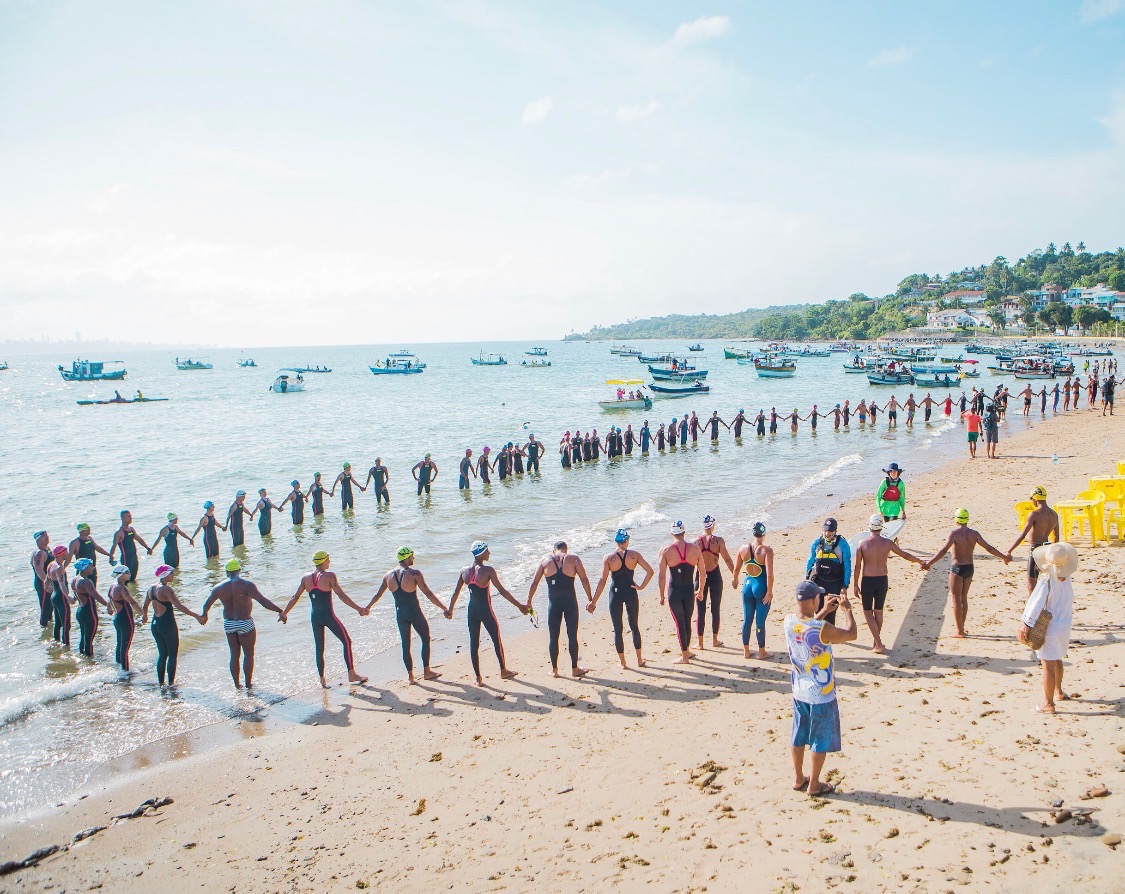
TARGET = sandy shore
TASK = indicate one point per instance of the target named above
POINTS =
(945, 782)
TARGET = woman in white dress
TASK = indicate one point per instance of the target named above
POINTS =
(1054, 592)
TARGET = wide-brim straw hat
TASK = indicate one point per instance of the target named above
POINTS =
(1062, 558)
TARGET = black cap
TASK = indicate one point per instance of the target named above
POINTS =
(759, 529)
(830, 524)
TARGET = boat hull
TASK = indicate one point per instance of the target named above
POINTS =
(392, 371)
(890, 380)
(611, 405)
(116, 376)
(667, 375)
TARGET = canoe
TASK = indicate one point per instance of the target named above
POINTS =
(645, 403)
(679, 390)
(131, 400)
(535, 364)
(775, 372)
(666, 375)
(936, 381)
(849, 368)
(312, 369)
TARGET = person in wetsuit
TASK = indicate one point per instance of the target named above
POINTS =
(576, 451)
(693, 425)
(673, 431)
(713, 423)
(170, 534)
(404, 583)
(964, 541)
(425, 472)
(660, 435)
(61, 600)
(533, 449)
(560, 569)
(681, 565)
(479, 577)
(564, 451)
(381, 476)
(124, 609)
(39, 560)
(345, 480)
(465, 469)
(760, 423)
(629, 438)
(209, 526)
(517, 458)
(297, 499)
(484, 466)
(264, 509)
(773, 420)
(619, 567)
(646, 438)
(739, 421)
(320, 584)
(87, 597)
(234, 520)
(238, 597)
(503, 461)
(164, 631)
(713, 548)
(755, 559)
(126, 539)
(84, 547)
(316, 495)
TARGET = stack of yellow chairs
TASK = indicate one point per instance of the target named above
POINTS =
(1114, 489)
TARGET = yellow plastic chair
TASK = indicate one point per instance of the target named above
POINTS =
(1112, 486)
(1080, 512)
(1121, 468)
(1023, 508)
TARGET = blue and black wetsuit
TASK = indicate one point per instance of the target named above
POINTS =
(713, 590)
(424, 473)
(576, 449)
(60, 607)
(564, 454)
(630, 440)
(681, 595)
(317, 492)
(87, 618)
(408, 614)
(660, 439)
(623, 597)
(480, 613)
(171, 547)
(562, 603)
(517, 462)
(86, 551)
(324, 617)
(483, 469)
(534, 450)
(684, 433)
(502, 464)
(210, 538)
(646, 439)
(754, 611)
(237, 532)
(379, 480)
(167, 637)
(265, 516)
(298, 507)
(714, 423)
(463, 473)
(595, 448)
(347, 498)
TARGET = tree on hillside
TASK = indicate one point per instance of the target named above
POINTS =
(1116, 280)
(996, 314)
(1086, 316)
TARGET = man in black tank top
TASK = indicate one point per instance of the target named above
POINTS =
(404, 583)
(40, 559)
(619, 567)
(560, 570)
(681, 565)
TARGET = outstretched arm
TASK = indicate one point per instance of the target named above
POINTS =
(601, 585)
(292, 601)
(990, 548)
(941, 552)
(344, 598)
(582, 576)
(503, 591)
(379, 593)
(420, 583)
(726, 556)
(534, 584)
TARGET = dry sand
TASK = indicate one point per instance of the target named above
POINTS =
(945, 782)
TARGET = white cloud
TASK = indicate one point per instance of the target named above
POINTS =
(537, 110)
(701, 29)
(637, 111)
(1096, 10)
(896, 56)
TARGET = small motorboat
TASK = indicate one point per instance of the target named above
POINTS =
(396, 365)
(536, 352)
(737, 354)
(138, 398)
(624, 351)
(534, 364)
(664, 374)
(288, 381)
(187, 364)
(680, 390)
(656, 358)
(489, 360)
(94, 371)
(3, 365)
(774, 368)
(247, 362)
(312, 369)
(623, 401)
(697, 347)
(400, 356)
(933, 369)
(940, 381)
(883, 377)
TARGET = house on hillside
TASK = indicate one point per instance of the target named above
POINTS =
(1013, 311)
(966, 296)
(1042, 297)
(1098, 296)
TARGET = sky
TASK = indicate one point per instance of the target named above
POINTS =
(260, 172)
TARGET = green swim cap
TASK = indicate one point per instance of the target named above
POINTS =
(347, 465)
(404, 552)
(961, 516)
(320, 557)
(234, 565)
(82, 526)
(172, 516)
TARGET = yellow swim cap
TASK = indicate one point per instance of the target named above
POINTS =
(405, 553)
(1039, 494)
(234, 565)
(961, 516)
(320, 557)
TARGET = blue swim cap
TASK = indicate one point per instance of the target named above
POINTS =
(82, 564)
(208, 505)
(294, 483)
(621, 536)
(479, 548)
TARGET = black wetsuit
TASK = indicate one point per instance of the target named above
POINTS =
(86, 551)
(210, 537)
(623, 597)
(129, 553)
(379, 480)
(517, 462)
(737, 424)
(60, 609)
(576, 449)
(408, 614)
(483, 469)
(761, 424)
(463, 474)
(595, 447)
(848, 414)
(681, 597)
(324, 616)
(480, 613)
(502, 464)
(424, 477)
(773, 423)
(587, 451)
(167, 637)
(237, 534)
(562, 603)
(317, 492)
(660, 439)
(534, 449)
(87, 618)
(629, 441)
(42, 592)
(124, 626)
(713, 590)
(265, 516)
(298, 507)
(171, 547)
(564, 454)
(347, 498)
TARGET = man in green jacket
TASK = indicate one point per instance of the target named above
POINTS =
(891, 495)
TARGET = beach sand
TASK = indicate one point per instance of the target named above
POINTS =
(945, 782)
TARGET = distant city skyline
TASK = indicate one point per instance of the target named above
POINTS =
(246, 174)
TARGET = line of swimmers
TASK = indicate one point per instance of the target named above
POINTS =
(689, 576)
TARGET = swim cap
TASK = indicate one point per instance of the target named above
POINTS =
(479, 548)
(741, 410)
(234, 565)
(875, 523)
(621, 536)
(37, 535)
(404, 552)
(59, 550)
(82, 526)
(427, 456)
(172, 516)
(320, 557)
(486, 448)
(316, 474)
(708, 522)
(1038, 494)
(347, 465)
(119, 570)
(163, 571)
(82, 564)
(961, 516)
(240, 493)
(677, 527)
(261, 490)
(759, 529)
(208, 505)
(294, 483)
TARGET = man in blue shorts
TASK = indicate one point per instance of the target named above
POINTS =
(816, 716)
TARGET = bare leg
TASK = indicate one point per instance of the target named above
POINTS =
(640, 660)
(875, 625)
(800, 780)
(959, 592)
(248, 641)
(1048, 706)
(235, 654)
(816, 764)
(1059, 694)
(621, 658)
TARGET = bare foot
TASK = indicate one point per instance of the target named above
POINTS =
(353, 677)
(621, 658)
(1062, 696)
(1045, 709)
(960, 634)
(323, 683)
(879, 649)
(701, 644)
(555, 672)
(578, 672)
(746, 653)
(507, 674)
(480, 682)
(640, 663)
(430, 675)
(716, 643)
(412, 680)
(763, 655)
(684, 659)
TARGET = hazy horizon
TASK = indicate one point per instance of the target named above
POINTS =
(256, 174)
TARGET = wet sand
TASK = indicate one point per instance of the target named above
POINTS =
(946, 779)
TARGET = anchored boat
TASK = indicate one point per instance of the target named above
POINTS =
(666, 375)
(94, 371)
(188, 364)
(737, 354)
(774, 368)
(312, 369)
(537, 352)
(489, 360)
(679, 390)
(883, 377)
(623, 402)
(396, 365)
(288, 381)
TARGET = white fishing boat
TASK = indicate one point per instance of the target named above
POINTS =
(187, 364)
(288, 381)
(623, 401)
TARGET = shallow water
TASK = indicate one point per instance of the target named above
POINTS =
(222, 430)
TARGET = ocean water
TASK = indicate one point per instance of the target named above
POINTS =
(223, 430)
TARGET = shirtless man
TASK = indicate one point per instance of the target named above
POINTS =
(927, 403)
(681, 566)
(1042, 527)
(964, 541)
(911, 408)
(479, 577)
(560, 569)
(870, 576)
(1027, 394)
(620, 566)
(404, 583)
(238, 597)
(713, 548)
